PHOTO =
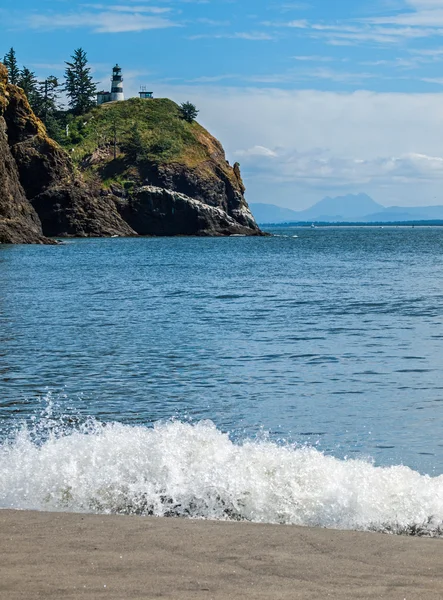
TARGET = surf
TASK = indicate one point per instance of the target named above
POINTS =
(193, 470)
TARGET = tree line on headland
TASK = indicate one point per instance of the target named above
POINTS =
(44, 96)
(79, 88)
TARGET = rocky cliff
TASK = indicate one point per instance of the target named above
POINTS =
(57, 197)
(19, 222)
(128, 168)
(152, 210)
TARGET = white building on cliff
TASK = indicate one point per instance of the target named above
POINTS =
(116, 94)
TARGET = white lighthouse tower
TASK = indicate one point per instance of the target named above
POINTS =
(117, 85)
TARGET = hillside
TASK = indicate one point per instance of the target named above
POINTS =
(271, 213)
(154, 126)
(138, 147)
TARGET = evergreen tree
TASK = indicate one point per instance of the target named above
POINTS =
(80, 88)
(135, 148)
(10, 62)
(28, 82)
(46, 105)
(188, 111)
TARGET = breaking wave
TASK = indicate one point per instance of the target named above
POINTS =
(194, 470)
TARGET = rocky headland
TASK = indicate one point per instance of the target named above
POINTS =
(124, 169)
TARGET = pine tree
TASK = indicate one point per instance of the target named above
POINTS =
(47, 98)
(29, 84)
(10, 62)
(48, 108)
(135, 148)
(188, 111)
(80, 88)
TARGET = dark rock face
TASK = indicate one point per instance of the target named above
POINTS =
(157, 211)
(38, 178)
(19, 223)
(215, 188)
(73, 211)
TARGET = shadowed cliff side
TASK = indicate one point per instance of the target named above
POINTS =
(65, 204)
(19, 223)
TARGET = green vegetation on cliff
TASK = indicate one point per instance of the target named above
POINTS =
(117, 140)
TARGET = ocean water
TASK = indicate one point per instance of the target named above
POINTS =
(291, 379)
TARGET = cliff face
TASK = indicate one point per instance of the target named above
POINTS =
(40, 191)
(65, 205)
(170, 179)
(19, 222)
(155, 210)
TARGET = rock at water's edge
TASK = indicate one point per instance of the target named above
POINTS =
(73, 211)
(157, 211)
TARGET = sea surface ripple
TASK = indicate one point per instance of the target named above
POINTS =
(307, 362)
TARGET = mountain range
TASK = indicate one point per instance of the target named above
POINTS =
(352, 208)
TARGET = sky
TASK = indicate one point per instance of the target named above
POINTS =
(312, 97)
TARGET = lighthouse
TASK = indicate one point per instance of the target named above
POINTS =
(117, 85)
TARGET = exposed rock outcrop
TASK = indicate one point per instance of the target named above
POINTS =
(214, 189)
(19, 223)
(152, 210)
(40, 192)
(65, 204)
(75, 211)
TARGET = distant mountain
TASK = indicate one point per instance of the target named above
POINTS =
(270, 213)
(342, 208)
(353, 207)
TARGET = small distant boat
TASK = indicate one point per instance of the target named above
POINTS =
(238, 235)
(313, 226)
(114, 236)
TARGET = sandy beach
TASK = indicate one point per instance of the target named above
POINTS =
(54, 556)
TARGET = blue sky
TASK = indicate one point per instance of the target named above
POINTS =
(312, 97)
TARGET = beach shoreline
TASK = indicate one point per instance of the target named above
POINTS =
(66, 555)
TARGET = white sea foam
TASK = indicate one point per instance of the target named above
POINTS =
(180, 469)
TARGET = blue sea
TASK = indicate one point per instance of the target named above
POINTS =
(293, 379)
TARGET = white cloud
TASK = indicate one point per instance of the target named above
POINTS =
(256, 151)
(313, 58)
(99, 22)
(315, 167)
(436, 80)
(370, 30)
(213, 78)
(237, 35)
(418, 19)
(129, 9)
(420, 13)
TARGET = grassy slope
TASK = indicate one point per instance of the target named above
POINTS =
(166, 138)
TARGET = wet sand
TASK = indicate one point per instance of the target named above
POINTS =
(64, 556)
